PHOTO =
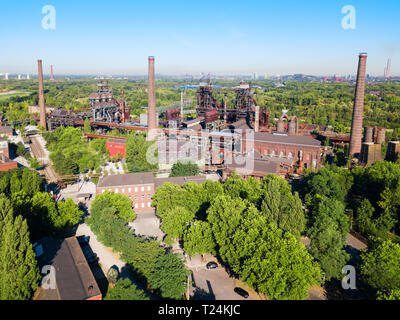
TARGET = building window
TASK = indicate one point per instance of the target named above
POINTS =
(129, 189)
(136, 205)
(136, 189)
(149, 196)
(116, 190)
(142, 196)
(103, 191)
(149, 204)
(142, 205)
(123, 190)
(136, 197)
(142, 188)
(148, 188)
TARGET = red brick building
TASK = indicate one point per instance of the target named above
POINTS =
(116, 147)
(139, 187)
(285, 146)
(5, 162)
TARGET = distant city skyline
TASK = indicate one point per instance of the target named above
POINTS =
(222, 38)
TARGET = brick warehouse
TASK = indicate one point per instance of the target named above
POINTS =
(304, 149)
(140, 187)
(115, 147)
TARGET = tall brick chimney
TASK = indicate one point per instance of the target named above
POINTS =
(358, 108)
(256, 118)
(42, 107)
(151, 111)
(51, 73)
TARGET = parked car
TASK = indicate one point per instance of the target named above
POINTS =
(83, 239)
(212, 265)
(241, 292)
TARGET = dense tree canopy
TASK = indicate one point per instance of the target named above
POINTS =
(380, 266)
(180, 169)
(244, 223)
(120, 202)
(125, 290)
(161, 270)
(19, 274)
(136, 153)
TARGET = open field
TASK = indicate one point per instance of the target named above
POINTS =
(9, 94)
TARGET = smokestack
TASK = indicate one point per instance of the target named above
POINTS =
(381, 135)
(225, 106)
(182, 106)
(42, 107)
(368, 134)
(256, 118)
(292, 127)
(280, 126)
(388, 69)
(151, 111)
(123, 106)
(357, 121)
(51, 72)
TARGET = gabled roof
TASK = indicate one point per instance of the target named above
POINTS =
(285, 139)
(129, 179)
(74, 279)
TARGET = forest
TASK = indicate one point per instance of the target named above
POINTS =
(313, 102)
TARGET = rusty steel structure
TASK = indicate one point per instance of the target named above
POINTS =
(244, 108)
(205, 100)
(64, 117)
(172, 118)
(104, 109)
(245, 102)
(103, 104)
(358, 109)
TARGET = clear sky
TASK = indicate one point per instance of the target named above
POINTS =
(186, 36)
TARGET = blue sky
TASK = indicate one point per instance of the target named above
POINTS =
(185, 36)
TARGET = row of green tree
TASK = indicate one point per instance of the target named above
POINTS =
(253, 226)
(158, 269)
(26, 215)
(367, 199)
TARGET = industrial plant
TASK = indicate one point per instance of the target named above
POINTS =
(219, 135)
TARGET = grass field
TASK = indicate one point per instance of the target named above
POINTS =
(4, 96)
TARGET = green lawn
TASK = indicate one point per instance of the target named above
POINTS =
(5, 97)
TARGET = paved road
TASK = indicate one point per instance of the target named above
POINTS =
(213, 284)
(355, 243)
(107, 258)
(39, 151)
(147, 224)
